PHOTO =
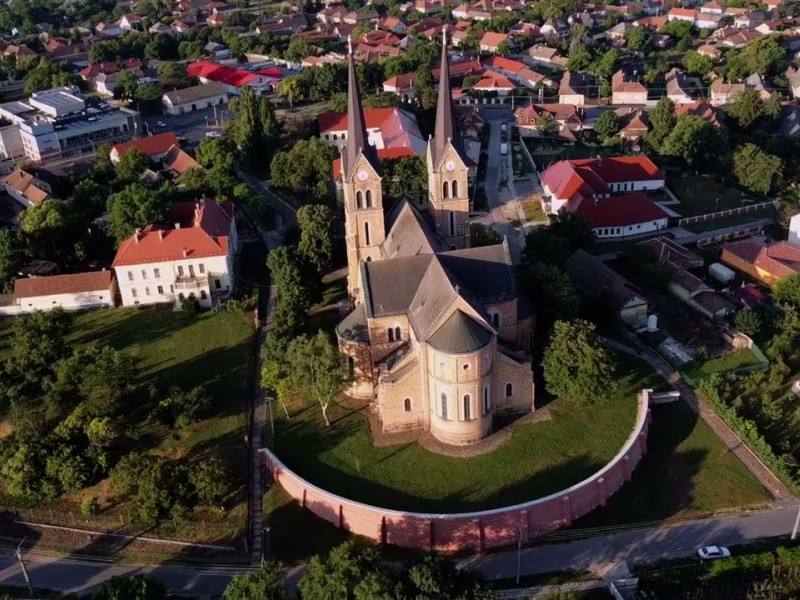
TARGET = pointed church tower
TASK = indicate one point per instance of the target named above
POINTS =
(361, 186)
(448, 191)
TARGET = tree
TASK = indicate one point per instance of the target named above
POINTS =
(132, 163)
(138, 587)
(552, 288)
(126, 86)
(217, 153)
(12, 257)
(337, 103)
(316, 370)
(255, 128)
(23, 476)
(747, 107)
(607, 125)
(576, 366)
(747, 321)
(265, 584)
(306, 167)
(481, 235)
(135, 207)
(317, 224)
(68, 468)
(755, 169)
(662, 122)
(546, 124)
(337, 574)
(637, 39)
(608, 64)
(787, 290)
(580, 58)
(287, 275)
(210, 480)
(172, 76)
(405, 177)
(182, 407)
(692, 139)
(696, 63)
(37, 343)
(298, 49)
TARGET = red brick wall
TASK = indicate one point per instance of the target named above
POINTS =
(478, 530)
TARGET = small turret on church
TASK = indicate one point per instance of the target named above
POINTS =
(448, 187)
(361, 185)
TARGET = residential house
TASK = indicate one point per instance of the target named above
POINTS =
(706, 21)
(575, 88)
(517, 71)
(723, 93)
(677, 87)
(193, 258)
(386, 128)
(402, 85)
(159, 27)
(76, 291)
(216, 50)
(196, 97)
(557, 27)
(539, 54)
(625, 89)
(755, 82)
(587, 187)
(233, 79)
(108, 29)
(25, 188)
(568, 117)
(492, 42)
(130, 22)
(682, 14)
(651, 23)
(494, 82)
(178, 162)
(702, 109)
(154, 147)
(618, 31)
(633, 124)
(599, 282)
(793, 77)
(393, 24)
(762, 258)
(710, 51)
(712, 7)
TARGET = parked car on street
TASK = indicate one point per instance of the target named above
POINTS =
(713, 552)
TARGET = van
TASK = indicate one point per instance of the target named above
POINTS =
(503, 149)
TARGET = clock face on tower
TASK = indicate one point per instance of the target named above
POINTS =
(362, 175)
(450, 165)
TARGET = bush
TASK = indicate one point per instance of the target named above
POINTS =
(190, 305)
(182, 408)
(209, 478)
(90, 506)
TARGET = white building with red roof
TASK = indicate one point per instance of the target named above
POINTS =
(154, 147)
(233, 79)
(76, 291)
(191, 258)
(591, 187)
(386, 128)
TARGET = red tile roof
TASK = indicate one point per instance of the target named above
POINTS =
(76, 283)
(616, 169)
(494, 81)
(492, 39)
(151, 146)
(382, 154)
(222, 74)
(203, 232)
(620, 211)
(110, 67)
(179, 161)
(779, 259)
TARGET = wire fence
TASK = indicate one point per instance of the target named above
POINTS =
(723, 214)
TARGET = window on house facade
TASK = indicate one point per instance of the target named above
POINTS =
(217, 284)
(443, 403)
(157, 273)
(191, 270)
(407, 404)
(486, 405)
(130, 275)
(467, 407)
(180, 271)
(160, 289)
(203, 295)
(144, 274)
(509, 390)
(147, 291)
(134, 293)
(201, 267)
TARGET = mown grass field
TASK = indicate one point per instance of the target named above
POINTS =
(215, 350)
(539, 458)
(722, 364)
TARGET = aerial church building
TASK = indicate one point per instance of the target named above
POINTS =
(438, 339)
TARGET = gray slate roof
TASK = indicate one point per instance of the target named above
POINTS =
(460, 334)
(597, 280)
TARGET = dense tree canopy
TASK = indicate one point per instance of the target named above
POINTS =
(317, 224)
(305, 168)
(755, 169)
(137, 206)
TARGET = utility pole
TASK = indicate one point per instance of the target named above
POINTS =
(24, 569)
(796, 525)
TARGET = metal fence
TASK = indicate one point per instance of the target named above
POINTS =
(722, 214)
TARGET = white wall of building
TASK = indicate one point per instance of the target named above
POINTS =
(82, 300)
(794, 231)
(187, 107)
(629, 98)
(628, 230)
(160, 282)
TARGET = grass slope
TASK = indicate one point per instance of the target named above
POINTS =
(538, 459)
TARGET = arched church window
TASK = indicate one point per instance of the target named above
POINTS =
(359, 200)
(495, 316)
(452, 217)
(397, 336)
(366, 234)
(407, 404)
(351, 365)
(445, 189)
(391, 334)
(467, 407)
(369, 198)
(444, 406)
(509, 390)
(454, 188)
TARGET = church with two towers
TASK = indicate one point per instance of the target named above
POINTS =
(438, 339)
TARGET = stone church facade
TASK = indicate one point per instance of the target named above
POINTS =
(438, 338)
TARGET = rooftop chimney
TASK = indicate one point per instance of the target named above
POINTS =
(177, 225)
(185, 253)
(160, 234)
(136, 234)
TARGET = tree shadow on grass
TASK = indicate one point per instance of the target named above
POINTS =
(663, 483)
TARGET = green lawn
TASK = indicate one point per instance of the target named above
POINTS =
(538, 459)
(700, 195)
(210, 349)
(533, 211)
(687, 470)
(722, 364)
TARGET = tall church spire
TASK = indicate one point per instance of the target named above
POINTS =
(445, 129)
(357, 141)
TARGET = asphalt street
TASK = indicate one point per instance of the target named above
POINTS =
(191, 126)
(636, 547)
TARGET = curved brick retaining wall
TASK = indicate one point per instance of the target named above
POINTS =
(475, 530)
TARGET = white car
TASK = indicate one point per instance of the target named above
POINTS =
(213, 134)
(161, 124)
(713, 552)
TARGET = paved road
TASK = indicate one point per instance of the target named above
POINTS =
(73, 576)
(636, 547)
(192, 126)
